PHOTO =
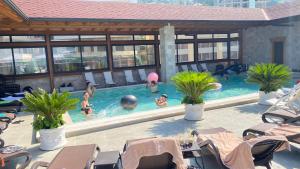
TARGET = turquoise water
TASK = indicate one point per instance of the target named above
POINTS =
(106, 103)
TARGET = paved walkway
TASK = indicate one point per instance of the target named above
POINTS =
(235, 119)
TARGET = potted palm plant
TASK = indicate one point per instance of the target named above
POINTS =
(193, 85)
(48, 110)
(270, 77)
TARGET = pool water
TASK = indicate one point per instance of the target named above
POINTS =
(106, 102)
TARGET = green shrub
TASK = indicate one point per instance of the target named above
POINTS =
(270, 77)
(193, 85)
(48, 109)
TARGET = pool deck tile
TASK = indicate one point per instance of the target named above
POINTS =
(235, 119)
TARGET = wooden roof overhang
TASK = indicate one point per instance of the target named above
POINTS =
(119, 26)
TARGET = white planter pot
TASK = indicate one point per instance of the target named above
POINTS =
(52, 139)
(194, 112)
(263, 98)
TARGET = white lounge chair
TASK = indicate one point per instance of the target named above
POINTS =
(194, 67)
(287, 101)
(89, 77)
(129, 76)
(142, 74)
(204, 67)
(108, 78)
(184, 68)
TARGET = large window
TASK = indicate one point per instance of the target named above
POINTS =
(123, 56)
(4, 39)
(133, 55)
(6, 61)
(218, 46)
(220, 50)
(121, 37)
(30, 60)
(66, 59)
(234, 50)
(93, 37)
(65, 38)
(185, 52)
(28, 38)
(144, 55)
(143, 37)
(94, 57)
(205, 51)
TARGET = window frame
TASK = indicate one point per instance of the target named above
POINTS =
(176, 48)
(135, 65)
(14, 62)
(81, 59)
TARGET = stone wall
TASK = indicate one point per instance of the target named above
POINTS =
(257, 44)
(42, 82)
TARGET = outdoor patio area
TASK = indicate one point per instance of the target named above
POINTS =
(235, 119)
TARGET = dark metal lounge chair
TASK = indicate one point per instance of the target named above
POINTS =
(262, 152)
(261, 129)
(282, 116)
(3, 126)
(72, 157)
(7, 117)
(6, 158)
(163, 161)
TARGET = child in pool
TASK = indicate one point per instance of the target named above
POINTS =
(85, 106)
(153, 86)
(162, 101)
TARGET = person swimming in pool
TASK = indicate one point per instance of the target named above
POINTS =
(162, 101)
(153, 86)
(85, 106)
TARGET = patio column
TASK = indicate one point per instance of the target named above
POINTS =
(167, 52)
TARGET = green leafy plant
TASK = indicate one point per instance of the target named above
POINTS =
(193, 85)
(48, 109)
(270, 77)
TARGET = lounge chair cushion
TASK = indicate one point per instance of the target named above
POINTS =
(286, 130)
(74, 157)
(136, 150)
(284, 112)
(234, 152)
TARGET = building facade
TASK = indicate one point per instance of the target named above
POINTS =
(47, 44)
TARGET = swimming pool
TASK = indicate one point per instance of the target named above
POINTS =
(106, 102)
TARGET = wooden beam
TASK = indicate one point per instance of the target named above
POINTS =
(9, 13)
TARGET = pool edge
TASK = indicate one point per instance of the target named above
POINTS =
(86, 127)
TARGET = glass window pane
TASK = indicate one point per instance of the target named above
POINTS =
(123, 56)
(94, 57)
(185, 52)
(220, 36)
(30, 60)
(144, 55)
(234, 49)
(93, 37)
(205, 51)
(121, 37)
(159, 37)
(185, 37)
(66, 59)
(220, 50)
(28, 38)
(143, 37)
(6, 62)
(4, 39)
(204, 36)
(65, 38)
(234, 35)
